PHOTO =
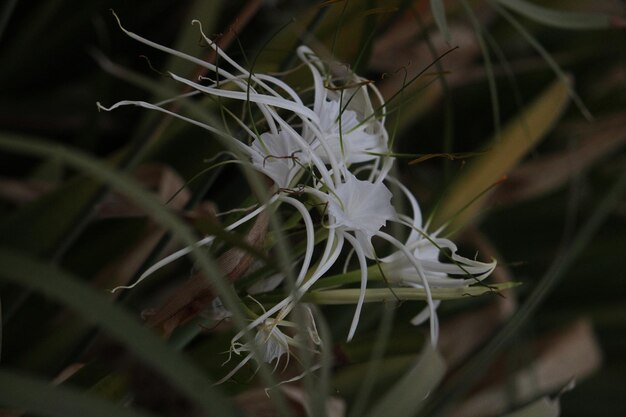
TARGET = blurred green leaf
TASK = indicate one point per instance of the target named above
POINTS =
(25, 393)
(41, 226)
(557, 18)
(462, 202)
(348, 380)
(24, 270)
(406, 397)
(144, 200)
(188, 40)
(544, 407)
(554, 65)
(438, 10)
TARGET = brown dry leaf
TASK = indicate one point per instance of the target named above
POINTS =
(570, 354)
(67, 373)
(335, 407)
(161, 179)
(196, 294)
(257, 403)
(540, 176)
(404, 62)
(401, 53)
(166, 183)
(463, 334)
(21, 192)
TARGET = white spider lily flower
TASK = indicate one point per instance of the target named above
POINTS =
(268, 94)
(341, 127)
(273, 343)
(347, 137)
(400, 269)
(427, 249)
(348, 124)
(453, 271)
(416, 263)
(354, 206)
(361, 207)
(278, 156)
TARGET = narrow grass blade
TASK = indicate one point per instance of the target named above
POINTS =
(462, 202)
(530, 38)
(23, 270)
(208, 13)
(35, 395)
(438, 10)
(557, 18)
(407, 396)
(383, 337)
(491, 78)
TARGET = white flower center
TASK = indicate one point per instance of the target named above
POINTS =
(361, 206)
(278, 156)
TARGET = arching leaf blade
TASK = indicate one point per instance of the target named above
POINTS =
(38, 396)
(557, 18)
(463, 201)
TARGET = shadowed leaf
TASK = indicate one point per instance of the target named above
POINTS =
(463, 201)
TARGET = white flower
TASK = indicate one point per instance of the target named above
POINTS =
(361, 207)
(353, 206)
(278, 156)
(349, 129)
(273, 343)
(428, 250)
(350, 139)
(344, 125)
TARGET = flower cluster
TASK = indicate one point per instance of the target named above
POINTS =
(326, 150)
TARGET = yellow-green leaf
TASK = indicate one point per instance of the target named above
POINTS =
(464, 199)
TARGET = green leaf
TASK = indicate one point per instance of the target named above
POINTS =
(544, 407)
(39, 396)
(194, 387)
(40, 227)
(407, 396)
(206, 12)
(146, 201)
(557, 18)
(464, 379)
(91, 306)
(438, 10)
(552, 63)
(462, 202)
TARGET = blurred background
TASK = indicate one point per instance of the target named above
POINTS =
(492, 74)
